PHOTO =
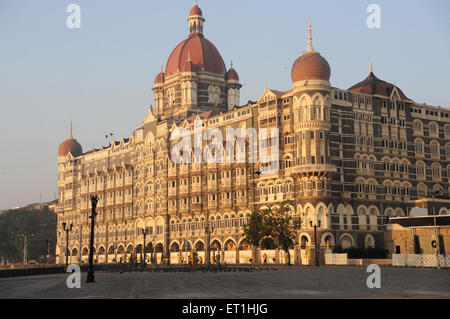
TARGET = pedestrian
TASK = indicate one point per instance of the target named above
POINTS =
(265, 259)
(200, 260)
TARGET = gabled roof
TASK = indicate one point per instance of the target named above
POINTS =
(374, 86)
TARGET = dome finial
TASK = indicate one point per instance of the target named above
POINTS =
(70, 130)
(310, 48)
(370, 66)
(162, 70)
(231, 64)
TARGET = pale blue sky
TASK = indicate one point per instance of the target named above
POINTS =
(101, 75)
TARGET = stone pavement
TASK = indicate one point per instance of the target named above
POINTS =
(292, 282)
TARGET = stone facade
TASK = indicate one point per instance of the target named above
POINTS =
(347, 159)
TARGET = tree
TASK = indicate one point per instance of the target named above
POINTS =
(277, 223)
(256, 230)
(40, 223)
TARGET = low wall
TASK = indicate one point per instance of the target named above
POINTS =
(365, 262)
(336, 259)
(419, 260)
(55, 269)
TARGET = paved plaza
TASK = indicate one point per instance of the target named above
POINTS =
(294, 282)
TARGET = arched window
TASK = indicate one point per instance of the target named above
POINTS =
(435, 170)
(420, 169)
(434, 148)
(418, 146)
(421, 190)
(433, 129)
(417, 125)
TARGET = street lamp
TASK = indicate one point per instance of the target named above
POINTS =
(144, 233)
(25, 251)
(48, 249)
(437, 247)
(152, 248)
(315, 241)
(67, 229)
(90, 275)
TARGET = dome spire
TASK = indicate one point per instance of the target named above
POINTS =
(195, 20)
(370, 66)
(70, 130)
(309, 48)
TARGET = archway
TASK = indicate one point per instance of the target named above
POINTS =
(230, 245)
(369, 242)
(327, 241)
(111, 250)
(174, 248)
(186, 247)
(159, 248)
(230, 251)
(159, 251)
(346, 241)
(199, 246)
(215, 245)
(215, 249)
(304, 249)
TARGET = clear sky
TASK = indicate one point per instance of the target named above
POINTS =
(100, 76)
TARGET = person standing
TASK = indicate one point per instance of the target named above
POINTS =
(265, 259)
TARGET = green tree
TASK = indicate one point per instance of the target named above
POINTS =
(38, 225)
(282, 226)
(256, 230)
(277, 224)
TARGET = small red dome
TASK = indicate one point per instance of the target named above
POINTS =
(195, 11)
(310, 66)
(70, 145)
(160, 78)
(232, 75)
(203, 54)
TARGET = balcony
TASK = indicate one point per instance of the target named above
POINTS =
(314, 169)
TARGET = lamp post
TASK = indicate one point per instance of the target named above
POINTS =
(144, 233)
(437, 248)
(48, 249)
(153, 248)
(90, 275)
(316, 255)
(25, 250)
(208, 240)
(67, 229)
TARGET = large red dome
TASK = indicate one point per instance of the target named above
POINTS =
(203, 54)
(70, 145)
(310, 66)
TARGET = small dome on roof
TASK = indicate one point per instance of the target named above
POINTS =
(70, 145)
(232, 74)
(195, 11)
